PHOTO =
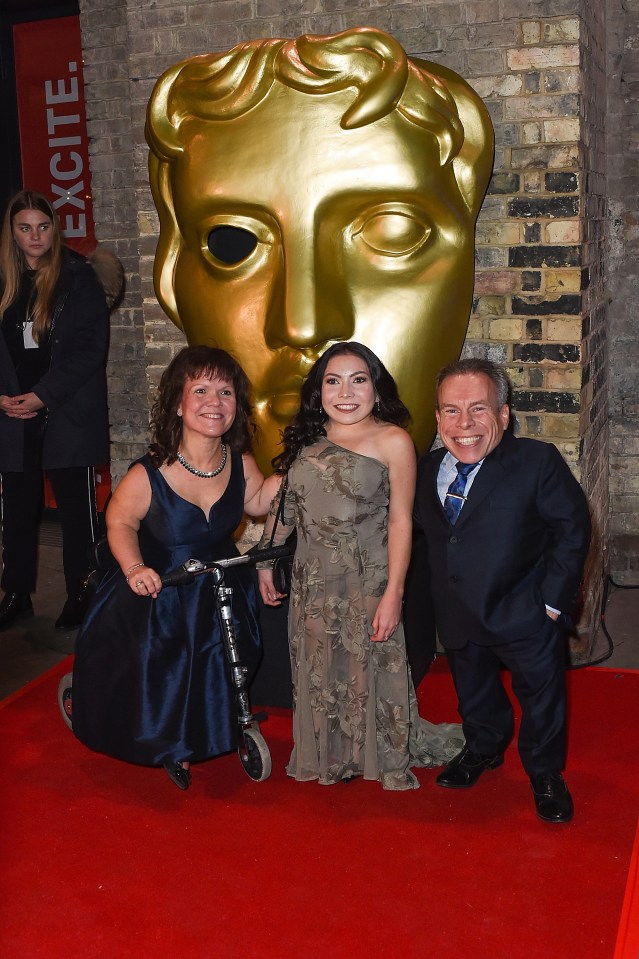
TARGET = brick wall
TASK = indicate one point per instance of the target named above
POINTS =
(594, 411)
(539, 294)
(623, 286)
(539, 298)
(106, 43)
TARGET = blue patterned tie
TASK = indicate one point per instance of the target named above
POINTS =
(454, 499)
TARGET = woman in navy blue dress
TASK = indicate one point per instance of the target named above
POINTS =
(151, 682)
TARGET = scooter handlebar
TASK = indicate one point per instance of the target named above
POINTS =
(195, 567)
(177, 577)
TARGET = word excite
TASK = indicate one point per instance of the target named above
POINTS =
(67, 166)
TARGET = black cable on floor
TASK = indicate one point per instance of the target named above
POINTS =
(602, 619)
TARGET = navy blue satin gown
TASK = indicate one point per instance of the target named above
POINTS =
(151, 681)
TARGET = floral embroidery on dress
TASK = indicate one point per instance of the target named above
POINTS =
(355, 708)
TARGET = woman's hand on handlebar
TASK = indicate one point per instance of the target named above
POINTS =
(144, 581)
(269, 594)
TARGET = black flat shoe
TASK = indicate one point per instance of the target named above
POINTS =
(180, 776)
(466, 768)
(14, 606)
(553, 802)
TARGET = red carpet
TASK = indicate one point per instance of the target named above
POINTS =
(101, 859)
(628, 936)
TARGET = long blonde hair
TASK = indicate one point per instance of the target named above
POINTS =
(13, 263)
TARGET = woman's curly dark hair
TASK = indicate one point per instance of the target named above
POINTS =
(188, 364)
(309, 422)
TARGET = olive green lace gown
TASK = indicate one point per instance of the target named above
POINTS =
(354, 705)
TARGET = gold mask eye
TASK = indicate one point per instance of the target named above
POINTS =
(393, 234)
(231, 244)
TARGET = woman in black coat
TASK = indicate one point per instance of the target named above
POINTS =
(54, 325)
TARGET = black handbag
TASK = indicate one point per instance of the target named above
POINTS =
(283, 567)
(101, 561)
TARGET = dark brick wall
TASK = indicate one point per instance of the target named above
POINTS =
(622, 285)
(106, 43)
(539, 296)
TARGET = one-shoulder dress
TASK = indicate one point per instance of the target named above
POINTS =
(151, 681)
(355, 708)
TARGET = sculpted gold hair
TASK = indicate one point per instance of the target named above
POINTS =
(316, 190)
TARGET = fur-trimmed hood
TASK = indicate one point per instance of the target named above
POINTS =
(107, 268)
(110, 273)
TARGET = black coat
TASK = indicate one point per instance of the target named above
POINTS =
(519, 543)
(73, 389)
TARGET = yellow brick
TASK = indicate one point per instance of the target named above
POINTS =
(531, 133)
(568, 77)
(491, 233)
(475, 328)
(147, 225)
(505, 329)
(563, 379)
(548, 156)
(564, 156)
(540, 58)
(562, 131)
(561, 281)
(564, 425)
(490, 306)
(570, 452)
(509, 85)
(518, 376)
(561, 31)
(496, 281)
(564, 331)
(532, 181)
(531, 31)
(563, 231)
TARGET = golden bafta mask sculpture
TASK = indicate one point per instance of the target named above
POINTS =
(314, 190)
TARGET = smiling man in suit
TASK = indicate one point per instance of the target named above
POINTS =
(507, 528)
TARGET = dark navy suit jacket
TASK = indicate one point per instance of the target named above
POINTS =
(520, 543)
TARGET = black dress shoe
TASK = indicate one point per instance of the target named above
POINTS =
(553, 802)
(71, 615)
(14, 606)
(465, 769)
(180, 776)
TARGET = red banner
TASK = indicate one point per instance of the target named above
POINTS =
(52, 118)
(54, 141)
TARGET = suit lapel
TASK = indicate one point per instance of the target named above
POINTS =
(495, 467)
(432, 462)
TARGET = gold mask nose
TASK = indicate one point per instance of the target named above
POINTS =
(353, 176)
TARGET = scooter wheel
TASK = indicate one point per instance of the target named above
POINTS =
(65, 698)
(254, 755)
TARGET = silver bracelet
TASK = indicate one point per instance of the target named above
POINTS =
(135, 566)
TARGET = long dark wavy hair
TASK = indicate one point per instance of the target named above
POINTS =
(188, 364)
(309, 423)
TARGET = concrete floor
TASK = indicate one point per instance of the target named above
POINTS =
(31, 646)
